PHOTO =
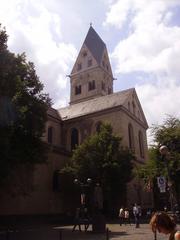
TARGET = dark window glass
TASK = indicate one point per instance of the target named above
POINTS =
(78, 90)
(141, 145)
(84, 54)
(74, 138)
(91, 85)
(56, 185)
(131, 137)
(134, 108)
(89, 62)
(79, 66)
(50, 135)
(98, 126)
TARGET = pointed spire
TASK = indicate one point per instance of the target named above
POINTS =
(95, 44)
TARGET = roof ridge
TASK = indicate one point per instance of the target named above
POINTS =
(95, 99)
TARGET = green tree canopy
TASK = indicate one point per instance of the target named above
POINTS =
(167, 134)
(23, 111)
(102, 158)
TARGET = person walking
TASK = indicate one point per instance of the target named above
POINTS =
(121, 215)
(163, 223)
(136, 215)
(126, 216)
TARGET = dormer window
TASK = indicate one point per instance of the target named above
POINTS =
(79, 66)
(91, 85)
(78, 90)
(89, 62)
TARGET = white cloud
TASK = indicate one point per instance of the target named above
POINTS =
(159, 102)
(35, 28)
(152, 47)
(48, 32)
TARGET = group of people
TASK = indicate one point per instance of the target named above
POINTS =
(160, 221)
(124, 215)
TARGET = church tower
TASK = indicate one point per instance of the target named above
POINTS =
(91, 75)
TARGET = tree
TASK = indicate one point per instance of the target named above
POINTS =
(166, 134)
(23, 112)
(102, 158)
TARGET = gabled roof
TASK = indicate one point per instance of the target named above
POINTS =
(95, 105)
(95, 44)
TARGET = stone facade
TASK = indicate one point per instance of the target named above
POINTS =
(91, 101)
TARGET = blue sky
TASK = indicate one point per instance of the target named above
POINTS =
(142, 37)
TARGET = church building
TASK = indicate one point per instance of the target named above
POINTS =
(92, 101)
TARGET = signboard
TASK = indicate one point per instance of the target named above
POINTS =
(161, 181)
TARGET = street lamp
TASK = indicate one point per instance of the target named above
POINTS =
(165, 154)
(83, 186)
(98, 219)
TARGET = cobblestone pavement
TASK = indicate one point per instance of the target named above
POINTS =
(116, 232)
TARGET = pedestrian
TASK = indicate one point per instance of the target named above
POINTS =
(136, 215)
(163, 223)
(148, 214)
(126, 216)
(121, 215)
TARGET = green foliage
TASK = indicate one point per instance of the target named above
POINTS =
(101, 154)
(102, 158)
(23, 108)
(166, 134)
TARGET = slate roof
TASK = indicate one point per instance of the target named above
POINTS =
(95, 44)
(94, 105)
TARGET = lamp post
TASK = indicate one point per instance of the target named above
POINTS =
(83, 186)
(98, 219)
(165, 154)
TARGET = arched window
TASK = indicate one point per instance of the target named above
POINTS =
(56, 180)
(98, 126)
(91, 85)
(50, 135)
(141, 144)
(131, 137)
(74, 138)
(134, 108)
